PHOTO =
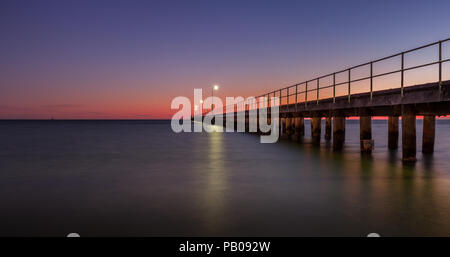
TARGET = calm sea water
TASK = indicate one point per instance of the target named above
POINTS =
(138, 178)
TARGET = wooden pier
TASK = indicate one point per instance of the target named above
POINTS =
(308, 99)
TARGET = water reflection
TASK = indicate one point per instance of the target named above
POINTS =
(214, 193)
(392, 156)
(428, 161)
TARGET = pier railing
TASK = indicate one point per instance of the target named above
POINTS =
(294, 94)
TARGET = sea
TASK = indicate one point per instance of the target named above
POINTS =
(139, 178)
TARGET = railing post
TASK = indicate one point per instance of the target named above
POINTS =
(257, 104)
(281, 100)
(402, 75)
(334, 87)
(349, 79)
(287, 99)
(260, 102)
(270, 100)
(371, 80)
(317, 97)
(306, 94)
(440, 67)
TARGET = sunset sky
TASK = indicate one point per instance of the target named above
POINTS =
(129, 59)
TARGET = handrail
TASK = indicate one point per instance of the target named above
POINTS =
(316, 87)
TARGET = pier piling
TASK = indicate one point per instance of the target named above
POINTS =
(365, 134)
(316, 124)
(328, 128)
(247, 122)
(283, 128)
(338, 133)
(428, 133)
(288, 127)
(299, 128)
(429, 100)
(408, 135)
(393, 132)
(237, 121)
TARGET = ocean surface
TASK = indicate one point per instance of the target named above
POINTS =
(138, 178)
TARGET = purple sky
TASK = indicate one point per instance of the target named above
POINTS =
(128, 59)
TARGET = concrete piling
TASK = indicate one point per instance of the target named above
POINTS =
(338, 133)
(292, 127)
(393, 132)
(408, 135)
(429, 122)
(282, 127)
(365, 134)
(299, 128)
(328, 128)
(247, 122)
(288, 126)
(316, 124)
(236, 122)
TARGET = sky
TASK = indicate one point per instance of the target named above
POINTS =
(129, 59)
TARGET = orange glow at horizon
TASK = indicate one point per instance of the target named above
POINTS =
(142, 97)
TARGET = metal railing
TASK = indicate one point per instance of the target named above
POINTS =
(293, 90)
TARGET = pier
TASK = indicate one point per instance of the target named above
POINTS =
(318, 99)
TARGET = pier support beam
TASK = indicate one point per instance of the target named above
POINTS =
(338, 133)
(428, 133)
(408, 135)
(328, 128)
(365, 134)
(393, 132)
(316, 124)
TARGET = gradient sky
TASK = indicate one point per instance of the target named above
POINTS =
(128, 59)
